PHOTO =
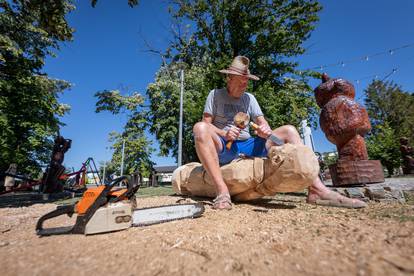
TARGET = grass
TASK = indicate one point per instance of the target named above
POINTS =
(400, 212)
(409, 197)
(163, 190)
(398, 215)
(155, 191)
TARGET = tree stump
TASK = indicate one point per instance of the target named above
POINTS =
(345, 123)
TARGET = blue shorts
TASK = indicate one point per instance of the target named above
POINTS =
(252, 147)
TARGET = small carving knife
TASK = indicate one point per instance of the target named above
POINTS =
(271, 137)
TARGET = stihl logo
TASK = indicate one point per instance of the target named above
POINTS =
(118, 212)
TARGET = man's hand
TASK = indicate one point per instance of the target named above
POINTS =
(232, 133)
(263, 131)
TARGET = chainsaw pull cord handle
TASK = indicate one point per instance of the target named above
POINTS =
(60, 210)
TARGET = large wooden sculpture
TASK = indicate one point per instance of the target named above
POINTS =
(50, 181)
(288, 168)
(345, 124)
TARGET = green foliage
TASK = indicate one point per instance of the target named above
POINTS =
(391, 113)
(268, 32)
(164, 96)
(384, 146)
(289, 104)
(330, 159)
(387, 103)
(137, 147)
(29, 107)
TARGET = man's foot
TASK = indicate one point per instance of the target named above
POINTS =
(222, 202)
(334, 199)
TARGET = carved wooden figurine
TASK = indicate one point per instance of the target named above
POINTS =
(407, 154)
(345, 124)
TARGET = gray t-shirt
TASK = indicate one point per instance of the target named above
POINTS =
(223, 108)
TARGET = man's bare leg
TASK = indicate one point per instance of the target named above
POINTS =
(207, 145)
(317, 190)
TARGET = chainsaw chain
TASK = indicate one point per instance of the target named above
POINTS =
(196, 215)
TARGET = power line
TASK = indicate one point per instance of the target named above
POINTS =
(376, 76)
(394, 70)
(361, 58)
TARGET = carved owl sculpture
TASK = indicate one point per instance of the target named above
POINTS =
(343, 120)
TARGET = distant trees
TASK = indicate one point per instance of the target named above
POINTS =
(384, 146)
(29, 107)
(386, 102)
(391, 112)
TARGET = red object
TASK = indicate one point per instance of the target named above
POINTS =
(345, 123)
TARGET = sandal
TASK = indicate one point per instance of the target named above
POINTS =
(336, 200)
(222, 202)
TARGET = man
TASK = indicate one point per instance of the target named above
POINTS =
(217, 128)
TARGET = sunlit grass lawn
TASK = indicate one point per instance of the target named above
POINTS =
(163, 190)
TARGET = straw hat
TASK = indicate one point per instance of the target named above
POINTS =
(240, 67)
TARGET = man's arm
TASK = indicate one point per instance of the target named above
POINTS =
(228, 135)
(264, 129)
(208, 118)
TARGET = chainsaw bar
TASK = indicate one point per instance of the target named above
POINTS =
(166, 213)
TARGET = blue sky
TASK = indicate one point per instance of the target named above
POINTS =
(108, 52)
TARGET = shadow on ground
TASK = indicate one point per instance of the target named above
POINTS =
(268, 203)
(271, 203)
(26, 199)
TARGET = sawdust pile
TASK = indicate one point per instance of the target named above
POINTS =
(278, 236)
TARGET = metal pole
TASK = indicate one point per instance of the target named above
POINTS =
(103, 174)
(180, 127)
(122, 157)
(307, 135)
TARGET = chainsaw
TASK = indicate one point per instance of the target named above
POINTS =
(105, 209)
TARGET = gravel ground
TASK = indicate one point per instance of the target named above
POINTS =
(274, 236)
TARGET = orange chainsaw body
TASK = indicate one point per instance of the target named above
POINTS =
(91, 194)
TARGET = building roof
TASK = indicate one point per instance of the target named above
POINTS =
(164, 169)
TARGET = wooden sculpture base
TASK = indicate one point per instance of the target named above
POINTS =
(345, 173)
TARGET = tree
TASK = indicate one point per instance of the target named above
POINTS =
(29, 107)
(384, 146)
(164, 96)
(387, 103)
(391, 114)
(268, 32)
(137, 147)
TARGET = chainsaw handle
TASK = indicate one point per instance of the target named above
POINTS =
(60, 210)
(130, 191)
(117, 180)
